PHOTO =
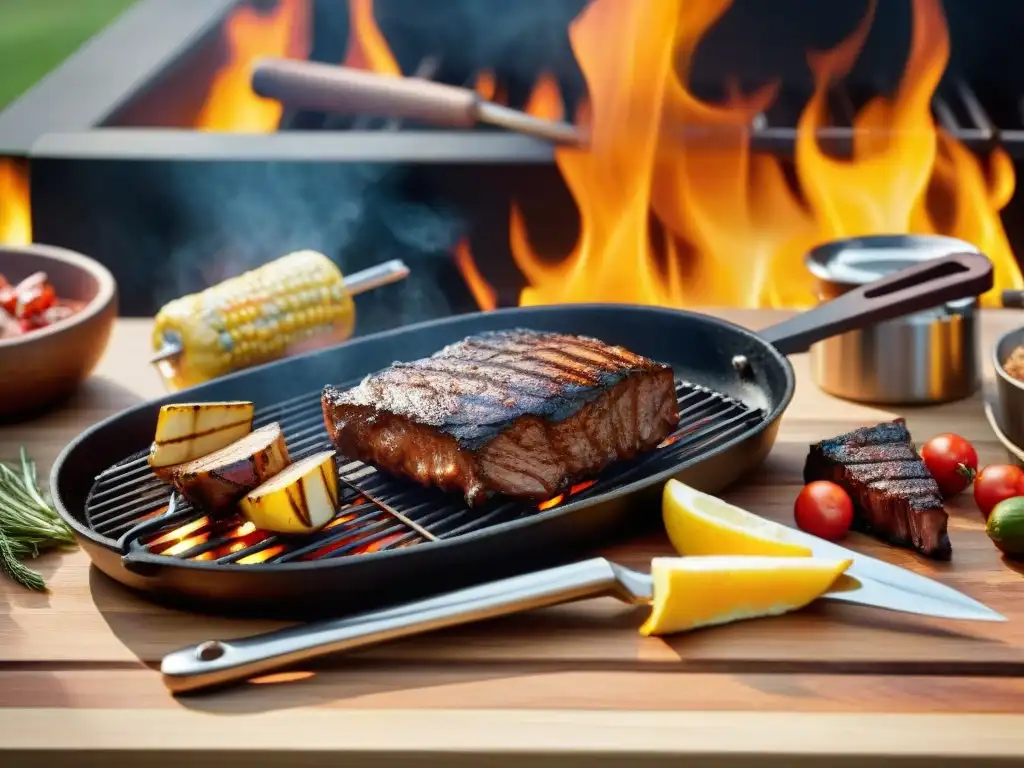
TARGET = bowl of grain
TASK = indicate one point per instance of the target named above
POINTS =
(1008, 361)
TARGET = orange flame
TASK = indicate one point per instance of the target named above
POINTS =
(730, 229)
(483, 293)
(367, 48)
(15, 215)
(231, 106)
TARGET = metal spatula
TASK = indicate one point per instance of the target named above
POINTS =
(217, 662)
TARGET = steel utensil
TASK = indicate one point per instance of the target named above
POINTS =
(873, 572)
(924, 357)
(217, 662)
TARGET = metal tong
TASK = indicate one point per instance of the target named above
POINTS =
(343, 90)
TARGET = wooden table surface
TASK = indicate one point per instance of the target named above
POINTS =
(573, 685)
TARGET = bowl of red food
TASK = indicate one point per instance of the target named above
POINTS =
(57, 310)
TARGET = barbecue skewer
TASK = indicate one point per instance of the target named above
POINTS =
(344, 90)
(235, 324)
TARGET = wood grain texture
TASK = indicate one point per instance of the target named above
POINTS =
(85, 645)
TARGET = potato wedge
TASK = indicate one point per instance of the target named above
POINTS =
(301, 499)
(186, 431)
(215, 482)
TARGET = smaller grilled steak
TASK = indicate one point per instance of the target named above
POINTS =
(894, 496)
(519, 413)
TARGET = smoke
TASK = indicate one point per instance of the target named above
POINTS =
(234, 217)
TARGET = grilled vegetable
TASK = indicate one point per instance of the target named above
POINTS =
(254, 318)
(303, 498)
(186, 431)
(216, 481)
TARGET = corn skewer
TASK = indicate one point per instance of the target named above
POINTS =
(256, 317)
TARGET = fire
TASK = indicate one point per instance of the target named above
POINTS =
(231, 106)
(483, 293)
(367, 48)
(730, 229)
(556, 500)
(15, 216)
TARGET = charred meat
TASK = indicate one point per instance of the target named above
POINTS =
(894, 496)
(520, 413)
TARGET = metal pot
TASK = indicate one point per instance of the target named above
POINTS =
(924, 358)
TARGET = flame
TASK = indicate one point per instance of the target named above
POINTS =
(485, 296)
(729, 228)
(367, 48)
(231, 106)
(556, 500)
(486, 86)
(15, 215)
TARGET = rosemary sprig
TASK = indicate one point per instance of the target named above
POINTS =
(29, 525)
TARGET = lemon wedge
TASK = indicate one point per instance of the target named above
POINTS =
(699, 524)
(692, 592)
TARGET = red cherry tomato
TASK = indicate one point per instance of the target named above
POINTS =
(952, 461)
(996, 483)
(824, 509)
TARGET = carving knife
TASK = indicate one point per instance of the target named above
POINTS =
(877, 574)
(217, 662)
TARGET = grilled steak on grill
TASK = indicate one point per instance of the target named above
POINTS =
(894, 496)
(518, 412)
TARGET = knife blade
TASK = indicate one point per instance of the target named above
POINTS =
(872, 572)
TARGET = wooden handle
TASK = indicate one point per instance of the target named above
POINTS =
(328, 88)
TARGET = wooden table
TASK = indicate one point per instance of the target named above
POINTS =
(567, 686)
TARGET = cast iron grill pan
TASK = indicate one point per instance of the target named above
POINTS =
(395, 541)
(140, 515)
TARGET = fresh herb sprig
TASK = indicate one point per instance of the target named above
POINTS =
(29, 525)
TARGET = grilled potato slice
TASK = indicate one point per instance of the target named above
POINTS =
(215, 482)
(301, 499)
(186, 431)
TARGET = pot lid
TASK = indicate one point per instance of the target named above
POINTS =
(861, 260)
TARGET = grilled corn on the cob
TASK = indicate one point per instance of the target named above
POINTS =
(254, 318)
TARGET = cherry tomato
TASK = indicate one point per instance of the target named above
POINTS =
(952, 461)
(824, 509)
(996, 483)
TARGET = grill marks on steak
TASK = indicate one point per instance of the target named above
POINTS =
(895, 497)
(519, 412)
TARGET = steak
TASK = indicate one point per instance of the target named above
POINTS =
(520, 413)
(894, 496)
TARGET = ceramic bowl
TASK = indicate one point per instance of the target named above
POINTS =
(41, 367)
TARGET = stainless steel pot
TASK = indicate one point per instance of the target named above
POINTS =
(927, 357)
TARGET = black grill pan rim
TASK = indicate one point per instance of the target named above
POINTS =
(503, 318)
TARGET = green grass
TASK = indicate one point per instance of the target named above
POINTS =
(37, 35)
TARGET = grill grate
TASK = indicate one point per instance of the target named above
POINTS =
(129, 505)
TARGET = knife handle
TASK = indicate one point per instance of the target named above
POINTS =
(218, 662)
